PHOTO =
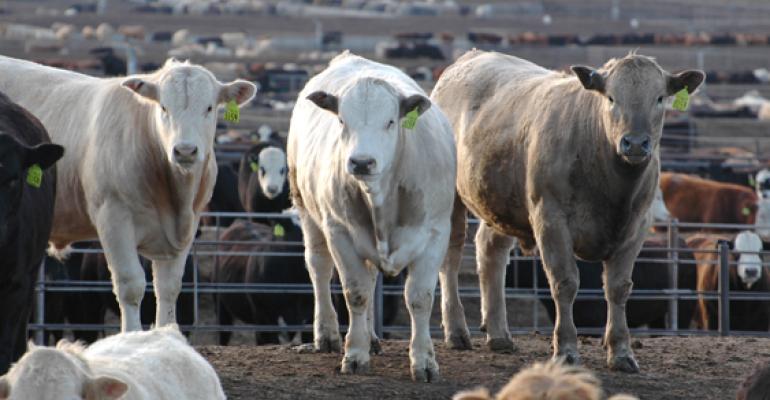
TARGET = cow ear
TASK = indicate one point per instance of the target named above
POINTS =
(104, 387)
(142, 87)
(5, 388)
(589, 77)
(239, 90)
(44, 154)
(478, 394)
(415, 101)
(690, 79)
(327, 101)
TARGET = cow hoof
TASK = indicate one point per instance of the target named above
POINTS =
(570, 358)
(426, 374)
(459, 341)
(625, 363)
(328, 345)
(501, 345)
(352, 366)
(375, 347)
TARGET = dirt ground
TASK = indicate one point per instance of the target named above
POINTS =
(674, 368)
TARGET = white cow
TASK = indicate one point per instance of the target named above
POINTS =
(138, 169)
(371, 195)
(151, 365)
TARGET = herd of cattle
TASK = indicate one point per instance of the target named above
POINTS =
(381, 178)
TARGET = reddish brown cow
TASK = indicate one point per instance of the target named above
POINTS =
(692, 199)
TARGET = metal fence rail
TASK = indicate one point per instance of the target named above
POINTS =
(203, 248)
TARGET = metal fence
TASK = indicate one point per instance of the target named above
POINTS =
(212, 250)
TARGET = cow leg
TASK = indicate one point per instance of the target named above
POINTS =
(376, 348)
(358, 287)
(128, 282)
(617, 288)
(456, 332)
(493, 251)
(555, 243)
(326, 329)
(224, 318)
(167, 281)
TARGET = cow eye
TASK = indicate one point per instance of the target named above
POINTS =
(163, 108)
(390, 124)
(341, 122)
(610, 99)
(283, 171)
(660, 100)
(208, 110)
(261, 170)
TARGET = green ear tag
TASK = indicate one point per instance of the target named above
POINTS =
(746, 211)
(681, 100)
(35, 175)
(278, 231)
(752, 182)
(254, 166)
(232, 112)
(410, 120)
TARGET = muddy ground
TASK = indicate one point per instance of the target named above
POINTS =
(673, 368)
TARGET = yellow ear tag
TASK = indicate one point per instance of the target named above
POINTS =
(410, 120)
(752, 182)
(746, 211)
(279, 231)
(35, 175)
(232, 112)
(254, 166)
(681, 100)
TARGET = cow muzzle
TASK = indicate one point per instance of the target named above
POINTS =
(751, 272)
(362, 166)
(635, 148)
(185, 154)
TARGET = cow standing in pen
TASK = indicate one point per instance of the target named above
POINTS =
(139, 166)
(567, 163)
(372, 195)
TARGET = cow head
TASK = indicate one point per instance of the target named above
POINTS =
(747, 244)
(658, 207)
(762, 182)
(267, 163)
(185, 99)
(45, 373)
(369, 114)
(15, 160)
(635, 90)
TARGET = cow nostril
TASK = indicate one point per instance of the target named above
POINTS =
(752, 273)
(625, 144)
(646, 144)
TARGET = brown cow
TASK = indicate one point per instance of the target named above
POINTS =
(567, 162)
(693, 199)
(746, 274)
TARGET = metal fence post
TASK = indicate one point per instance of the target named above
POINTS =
(195, 285)
(378, 306)
(40, 306)
(724, 289)
(673, 303)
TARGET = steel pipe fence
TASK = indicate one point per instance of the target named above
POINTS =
(201, 249)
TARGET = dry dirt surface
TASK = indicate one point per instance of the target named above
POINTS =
(673, 368)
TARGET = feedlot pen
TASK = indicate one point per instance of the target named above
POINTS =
(206, 252)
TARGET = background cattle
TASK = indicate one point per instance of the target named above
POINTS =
(693, 199)
(262, 179)
(647, 274)
(225, 196)
(27, 191)
(747, 274)
(569, 163)
(168, 368)
(141, 188)
(372, 171)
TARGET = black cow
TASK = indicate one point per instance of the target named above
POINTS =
(646, 275)
(225, 197)
(27, 193)
(267, 309)
(262, 179)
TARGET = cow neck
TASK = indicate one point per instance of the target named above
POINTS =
(381, 206)
(176, 195)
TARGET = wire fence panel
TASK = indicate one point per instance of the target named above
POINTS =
(212, 251)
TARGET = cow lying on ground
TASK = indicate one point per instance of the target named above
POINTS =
(27, 191)
(568, 163)
(156, 364)
(372, 169)
(646, 275)
(262, 179)
(693, 199)
(139, 166)
(747, 274)
(549, 381)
